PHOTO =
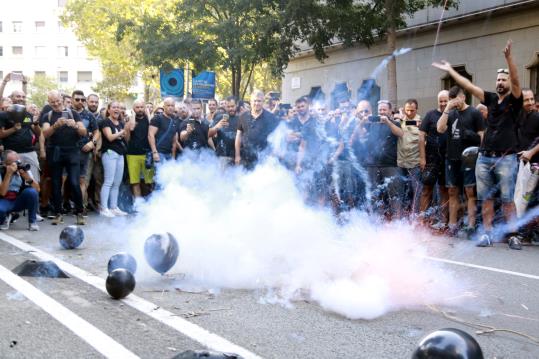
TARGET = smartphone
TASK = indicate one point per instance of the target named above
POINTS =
(16, 76)
(410, 123)
(373, 118)
(65, 114)
(225, 116)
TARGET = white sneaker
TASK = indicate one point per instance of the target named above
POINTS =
(5, 226)
(106, 213)
(118, 212)
(33, 227)
(39, 218)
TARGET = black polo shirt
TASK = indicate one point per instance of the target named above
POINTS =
(64, 136)
(435, 142)
(225, 139)
(255, 131)
(501, 134)
(166, 129)
(198, 138)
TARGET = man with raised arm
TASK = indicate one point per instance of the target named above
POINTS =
(497, 156)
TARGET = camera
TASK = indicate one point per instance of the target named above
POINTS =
(21, 166)
(373, 118)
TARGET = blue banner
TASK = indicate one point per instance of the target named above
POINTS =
(204, 85)
(171, 83)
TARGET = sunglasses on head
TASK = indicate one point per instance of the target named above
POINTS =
(503, 71)
(383, 101)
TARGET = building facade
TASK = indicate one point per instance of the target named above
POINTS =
(34, 42)
(471, 38)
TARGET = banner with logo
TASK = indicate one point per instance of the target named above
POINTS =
(204, 85)
(171, 83)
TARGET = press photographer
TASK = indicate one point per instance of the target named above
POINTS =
(18, 191)
(18, 129)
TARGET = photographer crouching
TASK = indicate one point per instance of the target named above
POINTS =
(18, 191)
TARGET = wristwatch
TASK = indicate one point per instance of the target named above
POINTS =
(29, 182)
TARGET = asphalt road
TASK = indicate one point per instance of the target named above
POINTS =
(144, 326)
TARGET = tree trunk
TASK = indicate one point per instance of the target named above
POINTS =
(391, 12)
(233, 71)
(392, 67)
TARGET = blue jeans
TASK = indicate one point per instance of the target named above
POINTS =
(113, 166)
(494, 173)
(26, 200)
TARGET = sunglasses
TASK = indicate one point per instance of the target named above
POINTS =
(503, 71)
(364, 111)
(80, 99)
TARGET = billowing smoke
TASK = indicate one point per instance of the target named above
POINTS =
(252, 230)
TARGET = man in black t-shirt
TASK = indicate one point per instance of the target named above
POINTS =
(497, 158)
(19, 136)
(528, 129)
(432, 146)
(295, 131)
(464, 127)
(380, 143)
(162, 132)
(87, 143)
(223, 131)
(193, 132)
(254, 127)
(63, 129)
(94, 172)
(137, 148)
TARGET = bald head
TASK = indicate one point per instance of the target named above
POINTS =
(483, 109)
(363, 108)
(18, 97)
(139, 107)
(169, 106)
(55, 100)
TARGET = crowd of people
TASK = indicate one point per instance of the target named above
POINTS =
(449, 170)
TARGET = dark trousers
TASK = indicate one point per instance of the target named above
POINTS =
(70, 160)
(27, 199)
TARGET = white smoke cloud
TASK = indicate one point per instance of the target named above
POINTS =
(252, 230)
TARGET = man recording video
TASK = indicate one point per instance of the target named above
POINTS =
(18, 191)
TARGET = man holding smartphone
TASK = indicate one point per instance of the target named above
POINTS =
(223, 131)
(63, 129)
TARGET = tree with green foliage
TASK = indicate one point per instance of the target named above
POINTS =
(38, 87)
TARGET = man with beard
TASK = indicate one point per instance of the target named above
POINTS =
(18, 135)
(295, 131)
(528, 129)
(194, 131)
(95, 166)
(223, 132)
(497, 157)
(63, 129)
(212, 110)
(432, 147)
(162, 132)
(137, 147)
(464, 127)
(87, 143)
(254, 127)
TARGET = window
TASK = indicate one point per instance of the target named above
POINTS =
(448, 82)
(40, 74)
(16, 50)
(1, 74)
(61, 28)
(534, 74)
(62, 3)
(63, 51)
(40, 51)
(84, 76)
(40, 25)
(62, 76)
(1, 27)
(17, 26)
(1, 51)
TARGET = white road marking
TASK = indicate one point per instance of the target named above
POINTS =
(476, 266)
(193, 331)
(84, 330)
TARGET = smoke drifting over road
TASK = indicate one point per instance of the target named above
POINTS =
(253, 231)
